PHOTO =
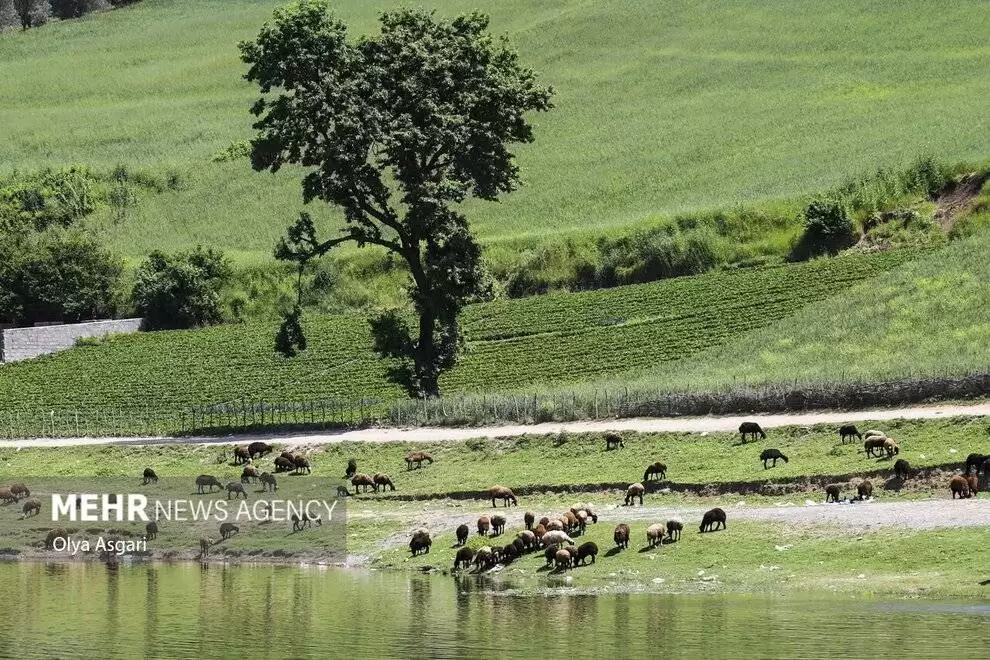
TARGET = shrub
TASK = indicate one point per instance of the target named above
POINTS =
(827, 229)
(181, 290)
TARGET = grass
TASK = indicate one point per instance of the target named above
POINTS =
(661, 109)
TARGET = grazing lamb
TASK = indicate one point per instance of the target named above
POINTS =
(585, 550)
(864, 491)
(204, 481)
(383, 481)
(360, 479)
(250, 473)
(502, 493)
(578, 508)
(484, 524)
(634, 491)
(236, 488)
(351, 469)
(849, 431)
(654, 535)
(241, 455)
(902, 469)
(149, 477)
(674, 527)
(975, 461)
(890, 446)
(556, 538)
(151, 530)
(562, 558)
(463, 558)
(32, 507)
(959, 487)
(874, 444)
(269, 482)
(420, 542)
(417, 457)
(752, 429)
(528, 519)
(613, 441)
(258, 449)
(498, 525)
(621, 536)
(832, 492)
(283, 464)
(228, 529)
(772, 455)
(462, 532)
(657, 470)
(713, 518)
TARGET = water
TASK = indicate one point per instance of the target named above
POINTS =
(185, 611)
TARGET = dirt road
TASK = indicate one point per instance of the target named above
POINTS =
(429, 434)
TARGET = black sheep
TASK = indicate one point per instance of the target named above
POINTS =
(351, 469)
(832, 492)
(848, 431)
(585, 550)
(714, 517)
(751, 429)
(150, 477)
(462, 534)
(463, 558)
(613, 441)
(529, 519)
(902, 469)
(975, 461)
(772, 455)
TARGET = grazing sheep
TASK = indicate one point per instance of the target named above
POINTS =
(550, 554)
(832, 492)
(483, 558)
(613, 441)
(864, 491)
(241, 455)
(902, 469)
(228, 529)
(545, 522)
(634, 491)
(502, 493)
(658, 470)
(751, 429)
(283, 464)
(509, 553)
(621, 536)
(149, 477)
(57, 533)
(562, 559)
(539, 531)
(556, 538)
(417, 457)
(301, 464)
(521, 546)
(973, 484)
(462, 532)
(555, 526)
(206, 480)
(420, 542)
(463, 558)
(269, 482)
(874, 433)
(528, 538)
(258, 449)
(498, 525)
(654, 535)
(582, 524)
(351, 469)
(674, 527)
(151, 530)
(959, 486)
(585, 550)
(20, 491)
(528, 519)
(484, 524)
(975, 461)
(204, 547)
(587, 510)
(772, 455)
(360, 479)
(300, 522)
(342, 491)
(250, 472)
(874, 444)
(236, 489)
(849, 431)
(32, 507)
(383, 481)
(713, 518)
(571, 522)
(891, 447)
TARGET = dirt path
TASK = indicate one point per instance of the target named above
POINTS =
(430, 434)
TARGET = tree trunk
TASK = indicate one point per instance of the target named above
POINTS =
(426, 371)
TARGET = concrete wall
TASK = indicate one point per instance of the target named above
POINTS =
(23, 343)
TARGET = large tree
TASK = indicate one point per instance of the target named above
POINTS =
(398, 129)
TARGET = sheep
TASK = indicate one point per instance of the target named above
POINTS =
(6, 496)
(241, 455)
(539, 531)
(498, 525)
(555, 526)
(269, 482)
(383, 481)
(509, 553)
(258, 449)
(674, 527)
(502, 493)
(32, 507)
(658, 470)
(420, 542)
(562, 559)
(250, 472)
(283, 464)
(578, 508)
(571, 522)
(484, 524)
(864, 490)
(57, 533)
(520, 545)
(463, 558)
(351, 469)
(204, 547)
(585, 550)
(975, 461)
(973, 485)
(902, 469)
(301, 464)
(874, 433)
(236, 489)
(462, 532)
(872, 444)
(556, 538)
(341, 490)
(621, 536)
(20, 491)
(654, 535)
(528, 519)
(613, 441)
(582, 524)
(772, 455)
(483, 558)
(959, 486)
(634, 491)
(228, 529)
(360, 479)
(206, 480)
(550, 554)
(713, 518)
(151, 530)
(848, 431)
(890, 446)
(149, 477)
(751, 429)
(528, 538)
(301, 521)
(417, 457)
(832, 492)
(545, 521)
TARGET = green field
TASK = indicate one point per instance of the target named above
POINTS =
(661, 107)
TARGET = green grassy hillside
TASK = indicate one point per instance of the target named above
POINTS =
(662, 107)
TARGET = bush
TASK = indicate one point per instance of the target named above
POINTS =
(827, 229)
(655, 254)
(181, 290)
(47, 198)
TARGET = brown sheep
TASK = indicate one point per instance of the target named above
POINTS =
(571, 521)
(657, 470)
(383, 481)
(269, 482)
(301, 464)
(484, 524)
(228, 529)
(206, 480)
(550, 554)
(250, 472)
(420, 542)
(613, 441)
(151, 530)
(463, 531)
(959, 486)
(674, 527)
(751, 429)
(555, 526)
(973, 485)
(417, 457)
(713, 518)
(539, 531)
(498, 525)
(149, 477)
(876, 444)
(57, 533)
(241, 455)
(654, 535)
(832, 492)
(864, 490)
(529, 519)
(256, 449)
(463, 558)
(283, 464)
(582, 524)
(502, 493)
(585, 550)
(6, 496)
(634, 491)
(32, 507)
(545, 521)
(621, 536)
(360, 479)
(562, 558)
(890, 446)
(528, 538)
(20, 491)
(300, 522)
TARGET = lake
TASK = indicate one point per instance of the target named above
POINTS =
(188, 611)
